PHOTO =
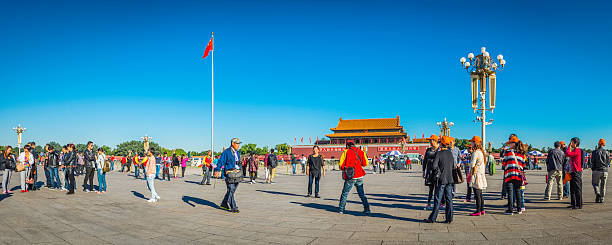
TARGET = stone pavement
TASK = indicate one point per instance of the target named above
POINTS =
(280, 214)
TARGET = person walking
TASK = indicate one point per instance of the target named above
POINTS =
(514, 164)
(600, 160)
(554, 166)
(175, 164)
(230, 162)
(90, 166)
(207, 169)
(315, 168)
(430, 155)
(150, 174)
(252, 165)
(271, 167)
(293, 163)
(351, 163)
(184, 160)
(158, 165)
(136, 163)
(27, 160)
(7, 166)
(478, 176)
(575, 155)
(53, 165)
(100, 161)
(442, 167)
(70, 165)
(303, 163)
(167, 161)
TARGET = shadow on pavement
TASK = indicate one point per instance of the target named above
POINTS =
(190, 200)
(138, 194)
(334, 209)
(281, 193)
(192, 182)
(5, 196)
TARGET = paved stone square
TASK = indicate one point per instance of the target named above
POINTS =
(281, 214)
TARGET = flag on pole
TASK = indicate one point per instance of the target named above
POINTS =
(309, 140)
(423, 136)
(295, 140)
(209, 47)
(302, 140)
(317, 140)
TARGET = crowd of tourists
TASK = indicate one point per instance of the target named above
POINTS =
(443, 170)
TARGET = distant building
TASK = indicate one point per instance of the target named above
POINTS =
(374, 136)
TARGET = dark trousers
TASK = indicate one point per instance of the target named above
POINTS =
(206, 176)
(228, 200)
(446, 192)
(253, 175)
(469, 192)
(48, 176)
(513, 188)
(70, 174)
(182, 171)
(166, 173)
(89, 176)
(504, 191)
(576, 189)
(479, 200)
(316, 178)
(432, 188)
(244, 171)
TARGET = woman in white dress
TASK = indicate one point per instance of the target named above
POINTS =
(478, 179)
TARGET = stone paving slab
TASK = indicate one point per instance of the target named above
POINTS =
(188, 213)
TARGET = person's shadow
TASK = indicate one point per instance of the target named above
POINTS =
(331, 208)
(194, 200)
(138, 194)
(193, 182)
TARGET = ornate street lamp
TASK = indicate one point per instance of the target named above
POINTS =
(146, 140)
(482, 69)
(445, 127)
(19, 130)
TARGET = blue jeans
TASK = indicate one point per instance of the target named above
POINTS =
(228, 200)
(55, 179)
(348, 185)
(101, 180)
(294, 166)
(47, 176)
(151, 186)
(136, 171)
(514, 195)
(566, 189)
(157, 167)
(446, 192)
(316, 178)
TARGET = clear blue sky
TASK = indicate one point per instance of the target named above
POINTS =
(111, 71)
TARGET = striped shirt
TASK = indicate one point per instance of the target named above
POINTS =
(513, 163)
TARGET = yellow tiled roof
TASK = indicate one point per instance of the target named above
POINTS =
(378, 123)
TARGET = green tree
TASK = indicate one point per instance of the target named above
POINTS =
(136, 147)
(247, 148)
(261, 151)
(107, 150)
(282, 149)
(55, 145)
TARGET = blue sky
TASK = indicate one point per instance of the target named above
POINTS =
(111, 71)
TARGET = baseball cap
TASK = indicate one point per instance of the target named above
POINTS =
(236, 141)
(446, 140)
(433, 137)
(514, 139)
(602, 142)
(476, 139)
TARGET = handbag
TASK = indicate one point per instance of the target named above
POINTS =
(106, 167)
(457, 175)
(567, 178)
(349, 172)
(233, 176)
(19, 167)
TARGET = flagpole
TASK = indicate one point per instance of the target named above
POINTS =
(212, 100)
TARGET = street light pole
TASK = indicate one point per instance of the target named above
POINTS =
(483, 71)
(19, 130)
(445, 127)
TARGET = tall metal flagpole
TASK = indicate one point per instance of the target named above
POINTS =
(212, 100)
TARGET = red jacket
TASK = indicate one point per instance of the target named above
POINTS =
(350, 159)
(575, 158)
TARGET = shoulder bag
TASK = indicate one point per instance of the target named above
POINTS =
(349, 172)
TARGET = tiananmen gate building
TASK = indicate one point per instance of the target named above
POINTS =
(374, 136)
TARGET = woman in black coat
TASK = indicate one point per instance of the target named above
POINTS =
(430, 155)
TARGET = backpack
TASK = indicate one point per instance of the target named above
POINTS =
(272, 161)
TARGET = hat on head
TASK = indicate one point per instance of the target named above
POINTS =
(446, 140)
(476, 139)
(602, 142)
(433, 137)
(562, 143)
(236, 141)
(513, 139)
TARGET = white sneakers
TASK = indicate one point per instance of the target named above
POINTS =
(154, 199)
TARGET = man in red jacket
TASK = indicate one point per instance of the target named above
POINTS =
(575, 155)
(352, 162)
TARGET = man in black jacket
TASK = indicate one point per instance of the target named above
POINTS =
(53, 164)
(70, 163)
(601, 161)
(554, 166)
(90, 164)
(444, 165)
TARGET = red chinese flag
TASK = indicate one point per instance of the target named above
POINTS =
(309, 140)
(209, 47)
(295, 140)
(302, 140)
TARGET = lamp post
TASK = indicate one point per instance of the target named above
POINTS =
(19, 130)
(482, 69)
(146, 143)
(445, 127)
